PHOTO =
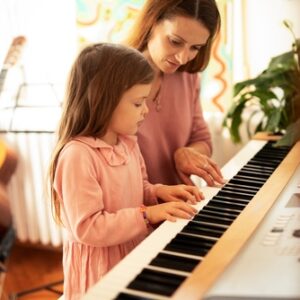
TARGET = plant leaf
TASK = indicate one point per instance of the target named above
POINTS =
(291, 136)
(278, 110)
(236, 122)
(285, 61)
(273, 120)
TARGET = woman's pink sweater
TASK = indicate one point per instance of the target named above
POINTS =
(178, 123)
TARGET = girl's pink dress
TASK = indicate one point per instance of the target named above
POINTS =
(101, 188)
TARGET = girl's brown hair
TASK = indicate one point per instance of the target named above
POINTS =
(98, 79)
(154, 11)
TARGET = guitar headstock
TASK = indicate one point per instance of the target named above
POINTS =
(14, 53)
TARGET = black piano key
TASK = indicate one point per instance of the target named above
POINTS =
(189, 245)
(231, 200)
(272, 154)
(253, 175)
(276, 159)
(209, 224)
(278, 152)
(199, 229)
(232, 193)
(231, 210)
(264, 162)
(260, 166)
(246, 182)
(251, 178)
(214, 217)
(125, 296)
(156, 282)
(269, 154)
(228, 204)
(254, 170)
(175, 262)
(177, 247)
(236, 198)
(243, 186)
(230, 189)
(211, 211)
(213, 222)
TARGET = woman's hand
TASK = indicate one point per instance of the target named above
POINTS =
(169, 211)
(181, 192)
(189, 161)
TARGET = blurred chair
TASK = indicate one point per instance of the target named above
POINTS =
(8, 163)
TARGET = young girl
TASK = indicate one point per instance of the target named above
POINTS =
(99, 186)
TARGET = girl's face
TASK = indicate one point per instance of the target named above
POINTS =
(174, 42)
(129, 113)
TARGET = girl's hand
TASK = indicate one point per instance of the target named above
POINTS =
(169, 211)
(189, 161)
(181, 192)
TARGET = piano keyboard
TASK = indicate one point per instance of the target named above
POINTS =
(162, 262)
(268, 266)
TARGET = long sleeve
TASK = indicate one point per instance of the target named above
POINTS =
(200, 131)
(149, 189)
(83, 202)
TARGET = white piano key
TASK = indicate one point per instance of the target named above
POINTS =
(182, 254)
(199, 235)
(126, 270)
(171, 271)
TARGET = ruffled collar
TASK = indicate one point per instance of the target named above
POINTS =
(115, 155)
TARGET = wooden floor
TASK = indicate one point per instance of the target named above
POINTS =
(30, 267)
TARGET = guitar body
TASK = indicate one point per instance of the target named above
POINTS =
(8, 157)
(8, 164)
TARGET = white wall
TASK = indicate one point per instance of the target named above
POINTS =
(50, 30)
(266, 36)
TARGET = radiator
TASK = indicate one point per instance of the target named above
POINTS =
(28, 126)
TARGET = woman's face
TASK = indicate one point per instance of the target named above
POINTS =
(174, 42)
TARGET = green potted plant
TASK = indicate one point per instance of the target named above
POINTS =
(272, 98)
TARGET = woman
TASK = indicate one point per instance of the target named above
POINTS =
(176, 37)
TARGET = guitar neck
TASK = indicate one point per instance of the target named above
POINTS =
(12, 58)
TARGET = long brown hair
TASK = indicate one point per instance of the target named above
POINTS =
(98, 79)
(154, 11)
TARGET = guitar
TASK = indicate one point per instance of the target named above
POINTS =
(8, 162)
(12, 57)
